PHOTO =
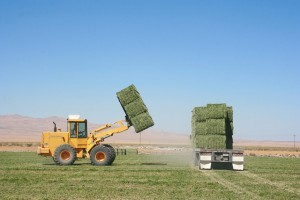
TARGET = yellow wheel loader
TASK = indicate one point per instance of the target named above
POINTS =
(66, 147)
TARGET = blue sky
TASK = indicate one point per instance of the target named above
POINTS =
(71, 57)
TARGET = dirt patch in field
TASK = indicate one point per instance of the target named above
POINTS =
(17, 149)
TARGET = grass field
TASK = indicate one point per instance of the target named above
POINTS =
(28, 176)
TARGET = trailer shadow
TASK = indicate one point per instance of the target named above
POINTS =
(221, 166)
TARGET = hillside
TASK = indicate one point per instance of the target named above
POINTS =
(17, 128)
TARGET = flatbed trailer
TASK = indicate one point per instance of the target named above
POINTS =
(229, 158)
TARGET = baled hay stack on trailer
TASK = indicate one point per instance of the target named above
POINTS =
(230, 114)
(210, 141)
(216, 111)
(135, 109)
(212, 126)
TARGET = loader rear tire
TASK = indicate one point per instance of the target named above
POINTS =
(112, 152)
(100, 155)
(64, 155)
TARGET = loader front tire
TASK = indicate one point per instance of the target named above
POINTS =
(64, 155)
(112, 152)
(100, 155)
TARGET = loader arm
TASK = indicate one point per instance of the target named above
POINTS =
(105, 131)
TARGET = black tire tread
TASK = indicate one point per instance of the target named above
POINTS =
(62, 147)
(106, 151)
(112, 152)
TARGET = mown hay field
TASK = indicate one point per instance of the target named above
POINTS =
(25, 175)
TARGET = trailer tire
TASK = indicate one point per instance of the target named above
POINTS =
(112, 152)
(64, 155)
(100, 155)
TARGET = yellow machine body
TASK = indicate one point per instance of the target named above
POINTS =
(78, 138)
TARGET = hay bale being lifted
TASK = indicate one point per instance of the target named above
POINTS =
(135, 109)
(142, 122)
(128, 95)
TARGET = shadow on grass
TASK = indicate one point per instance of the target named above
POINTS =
(75, 164)
(153, 163)
(221, 166)
(138, 164)
(114, 164)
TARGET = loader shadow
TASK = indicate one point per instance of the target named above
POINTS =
(114, 164)
(140, 164)
(152, 163)
(75, 164)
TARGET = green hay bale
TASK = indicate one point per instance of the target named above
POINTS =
(193, 129)
(128, 95)
(199, 114)
(216, 111)
(215, 127)
(142, 122)
(135, 108)
(136, 111)
(199, 128)
(230, 113)
(212, 127)
(210, 141)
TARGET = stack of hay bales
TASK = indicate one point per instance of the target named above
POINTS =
(212, 127)
(136, 111)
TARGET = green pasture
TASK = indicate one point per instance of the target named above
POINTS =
(29, 176)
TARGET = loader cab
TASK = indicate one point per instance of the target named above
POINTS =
(77, 128)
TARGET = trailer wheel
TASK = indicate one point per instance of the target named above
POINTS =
(100, 155)
(112, 152)
(64, 155)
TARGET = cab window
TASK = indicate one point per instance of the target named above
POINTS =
(82, 130)
(73, 131)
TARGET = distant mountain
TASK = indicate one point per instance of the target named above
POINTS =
(22, 128)
(17, 128)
